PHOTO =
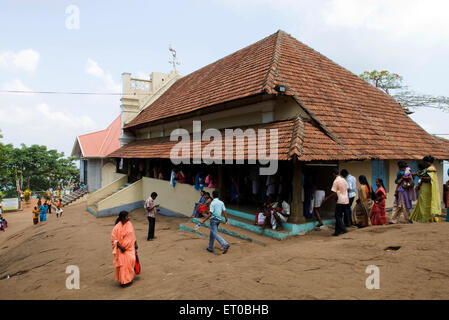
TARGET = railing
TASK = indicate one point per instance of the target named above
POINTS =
(142, 85)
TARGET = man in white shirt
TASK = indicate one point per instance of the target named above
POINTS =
(151, 209)
(339, 189)
(352, 185)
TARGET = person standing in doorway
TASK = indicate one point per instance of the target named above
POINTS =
(352, 186)
(216, 210)
(318, 197)
(339, 189)
(151, 209)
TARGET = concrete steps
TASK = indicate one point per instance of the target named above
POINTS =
(93, 208)
(231, 230)
(241, 225)
(73, 197)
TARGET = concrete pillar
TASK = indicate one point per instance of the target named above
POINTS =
(297, 208)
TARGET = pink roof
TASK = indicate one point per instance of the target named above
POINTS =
(101, 143)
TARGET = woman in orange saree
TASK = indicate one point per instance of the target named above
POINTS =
(124, 245)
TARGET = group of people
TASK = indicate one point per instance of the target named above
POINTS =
(124, 243)
(248, 186)
(43, 207)
(3, 222)
(200, 180)
(273, 212)
(370, 208)
(79, 186)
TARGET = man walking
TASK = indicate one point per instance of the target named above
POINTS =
(216, 210)
(339, 189)
(352, 185)
(151, 214)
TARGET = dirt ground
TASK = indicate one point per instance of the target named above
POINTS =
(176, 265)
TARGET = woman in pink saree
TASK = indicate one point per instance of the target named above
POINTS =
(124, 245)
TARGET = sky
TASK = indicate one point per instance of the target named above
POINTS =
(40, 50)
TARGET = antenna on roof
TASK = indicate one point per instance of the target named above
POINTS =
(174, 60)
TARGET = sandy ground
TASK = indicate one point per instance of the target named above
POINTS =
(177, 266)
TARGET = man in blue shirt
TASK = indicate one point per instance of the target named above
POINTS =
(216, 210)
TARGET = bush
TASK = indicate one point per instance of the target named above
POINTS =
(27, 195)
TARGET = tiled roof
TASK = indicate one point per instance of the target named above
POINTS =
(100, 143)
(444, 141)
(359, 118)
(295, 138)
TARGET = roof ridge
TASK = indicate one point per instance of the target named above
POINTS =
(108, 132)
(346, 98)
(297, 141)
(274, 64)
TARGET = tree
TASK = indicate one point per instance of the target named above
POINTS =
(34, 168)
(389, 82)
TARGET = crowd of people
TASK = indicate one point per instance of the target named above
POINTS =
(3, 222)
(370, 208)
(44, 207)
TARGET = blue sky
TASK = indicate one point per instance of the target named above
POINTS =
(38, 52)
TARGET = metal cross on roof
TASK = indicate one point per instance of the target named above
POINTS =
(174, 60)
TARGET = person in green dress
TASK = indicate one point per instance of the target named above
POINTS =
(429, 203)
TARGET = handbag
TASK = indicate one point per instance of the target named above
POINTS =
(408, 184)
(137, 266)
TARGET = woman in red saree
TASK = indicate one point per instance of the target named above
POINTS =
(378, 212)
(124, 245)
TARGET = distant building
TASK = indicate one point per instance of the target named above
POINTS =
(96, 170)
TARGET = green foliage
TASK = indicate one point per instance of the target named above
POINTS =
(387, 81)
(383, 80)
(34, 168)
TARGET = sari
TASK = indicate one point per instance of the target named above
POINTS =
(35, 216)
(429, 203)
(201, 202)
(124, 262)
(363, 207)
(378, 212)
(404, 196)
(446, 199)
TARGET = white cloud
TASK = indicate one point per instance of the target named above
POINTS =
(15, 84)
(25, 118)
(66, 120)
(108, 83)
(26, 60)
(400, 17)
